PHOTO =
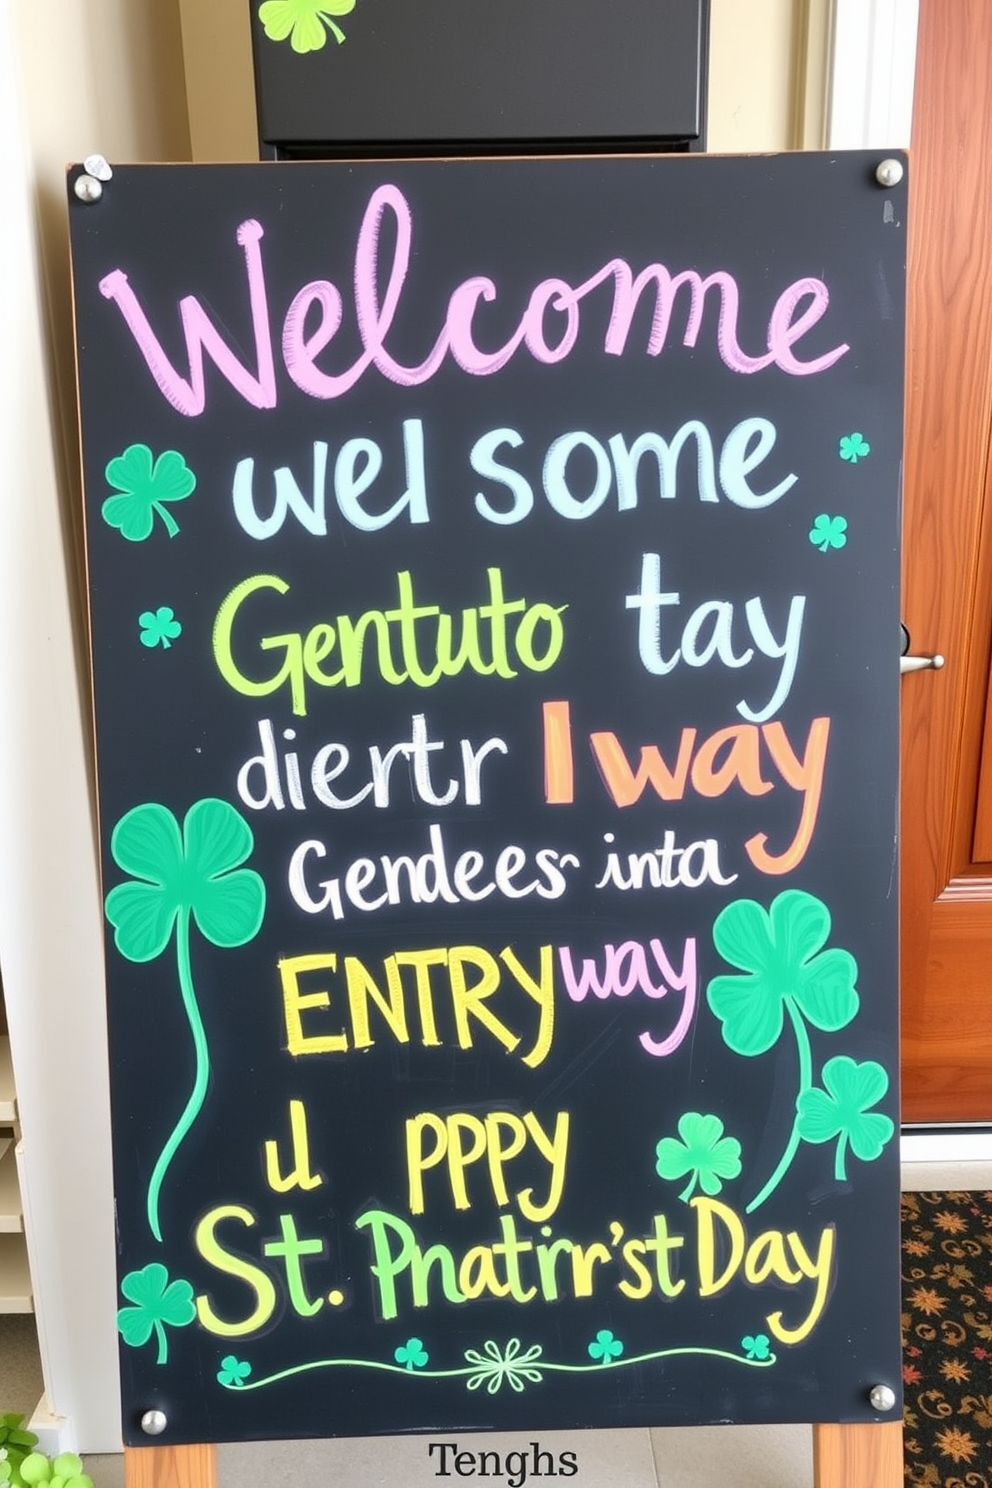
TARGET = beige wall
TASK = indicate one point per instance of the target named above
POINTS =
(768, 65)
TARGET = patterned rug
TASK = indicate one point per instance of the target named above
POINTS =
(947, 1338)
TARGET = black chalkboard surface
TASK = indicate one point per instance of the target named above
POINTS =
(335, 76)
(493, 575)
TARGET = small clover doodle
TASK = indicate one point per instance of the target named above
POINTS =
(704, 1152)
(159, 627)
(512, 1366)
(157, 1302)
(143, 486)
(178, 876)
(842, 1110)
(303, 21)
(854, 447)
(788, 974)
(605, 1347)
(412, 1354)
(828, 532)
(756, 1347)
(233, 1371)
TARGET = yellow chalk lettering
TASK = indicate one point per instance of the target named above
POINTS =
(766, 1257)
(477, 1274)
(500, 1153)
(421, 961)
(585, 1259)
(417, 1161)
(556, 1152)
(461, 1155)
(820, 1271)
(295, 1002)
(259, 1281)
(632, 1252)
(707, 1212)
(543, 993)
(299, 1175)
(469, 1002)
(361, 989)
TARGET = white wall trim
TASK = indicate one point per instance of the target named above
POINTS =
(50, 912)
(872, 68)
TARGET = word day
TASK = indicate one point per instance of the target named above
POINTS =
(711, 1254)
(316, 314)
(466, 996)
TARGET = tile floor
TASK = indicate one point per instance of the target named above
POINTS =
(708, 1457)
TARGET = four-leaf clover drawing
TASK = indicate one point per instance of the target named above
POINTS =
(303, 21)
(157, 1302)
(842, 1110)
(788, 974)
(159, 627)
(854, 447)
(704, 1152)
(757, 1347)
(412, 1354)
(143, 486)
(177, 876)
(605, 1347)
(828, 532)
(233, 1371)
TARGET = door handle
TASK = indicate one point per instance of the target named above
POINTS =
(920, 663)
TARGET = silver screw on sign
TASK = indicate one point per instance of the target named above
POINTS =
(889, 173)
(154, 1422)
(882, 1398)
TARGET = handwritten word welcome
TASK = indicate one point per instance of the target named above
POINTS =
(316, 314)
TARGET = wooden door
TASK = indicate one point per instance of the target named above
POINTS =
(947, 714)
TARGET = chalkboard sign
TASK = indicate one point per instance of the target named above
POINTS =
(493, 576)
(355, 74)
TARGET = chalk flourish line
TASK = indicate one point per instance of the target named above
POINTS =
(512, 1367)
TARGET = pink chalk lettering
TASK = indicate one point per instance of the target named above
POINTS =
(189, 397)
(625, 970)
(316, 313)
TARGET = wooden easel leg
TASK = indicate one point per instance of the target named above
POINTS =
(862, 1456)
(170, 1467)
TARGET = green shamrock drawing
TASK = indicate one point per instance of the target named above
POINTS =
(511, 1366)
(757, 1347)
(412, 1354)
(143, 487)
(842, 1111)
(159, 627)
(703, 1151)
(828, 532)
(788, 974)
(65, 1472)
(195, 873)
(157, 1302)
(605, 1347)
(854, 447)
(303, 21)
(233, 1371)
